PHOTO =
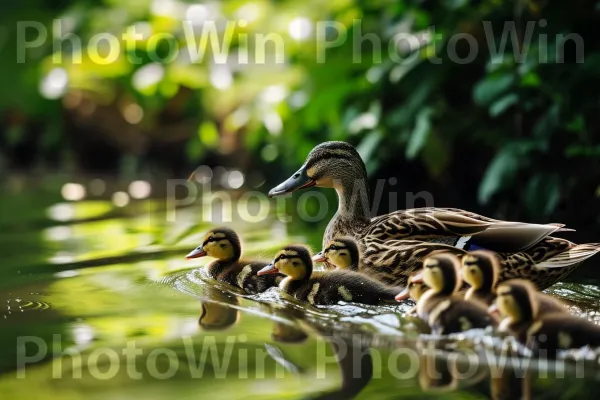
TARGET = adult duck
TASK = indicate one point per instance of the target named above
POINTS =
(338, 165)
(393, 261)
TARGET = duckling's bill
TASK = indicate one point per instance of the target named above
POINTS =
(403, 295)
(493, 310)
(319, 257)
(417, 278)
(196, 253)
(269, 269)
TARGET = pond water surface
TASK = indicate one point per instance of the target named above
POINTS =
(97, 301)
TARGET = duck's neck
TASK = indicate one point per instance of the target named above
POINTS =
(216, 267)
(353, 198)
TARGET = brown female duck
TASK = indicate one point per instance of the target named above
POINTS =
(393, 261)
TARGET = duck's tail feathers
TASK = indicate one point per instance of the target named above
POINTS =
(575, 255)
(561, 227)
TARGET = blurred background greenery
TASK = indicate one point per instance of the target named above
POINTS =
(510, 139)
(513, 138)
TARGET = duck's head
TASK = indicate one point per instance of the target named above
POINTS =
(480, 269)
(221, 243)
(293, 261)
(515, 301)
(415, 289)
(330, 164)
(441, 273)
(342, 252)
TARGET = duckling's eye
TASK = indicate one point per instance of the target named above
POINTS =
(332, 247)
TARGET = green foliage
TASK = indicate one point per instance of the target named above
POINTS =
(523, 105)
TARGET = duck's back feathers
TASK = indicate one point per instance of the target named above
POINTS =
(327, 288)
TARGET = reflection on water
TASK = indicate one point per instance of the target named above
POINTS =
(105, 306)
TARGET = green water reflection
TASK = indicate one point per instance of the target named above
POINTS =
(110, 288)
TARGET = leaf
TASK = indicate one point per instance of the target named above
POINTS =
(503, 104)
(419, 135)
(542, 194)
(531, 79)
(547, 123)
(368, 145)
(208, 134)
(492, 87)
(499, 173)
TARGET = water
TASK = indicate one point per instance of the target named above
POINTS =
(98, 302)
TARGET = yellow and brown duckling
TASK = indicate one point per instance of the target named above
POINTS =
(325, 288)
(224, 245)
(519, 309)
(415, 290)
(441, 307)
(480, 270)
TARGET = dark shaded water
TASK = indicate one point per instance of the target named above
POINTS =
(96, 301)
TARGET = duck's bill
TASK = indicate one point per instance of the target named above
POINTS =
(403, 295)
(196, 253)
(319, 257)
(269, 269)
(299, 180)
(417, 278)
(493, 310)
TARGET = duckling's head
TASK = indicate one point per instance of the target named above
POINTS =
(515, 300)
(330, 164)
(415, 289)
(221, 243)
(441, 273)
(342, 252)
(293, 261)
(480, 269)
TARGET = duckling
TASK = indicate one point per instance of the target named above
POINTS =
(416, 289)
(480, 270)
(224, 245)
(324, 288)
(519, 309)
(444, 310)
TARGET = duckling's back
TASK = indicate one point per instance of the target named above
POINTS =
(243, 275)
(327, 288)
(559, 331)
(452, 314)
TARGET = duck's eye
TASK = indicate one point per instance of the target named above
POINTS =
(332, 247)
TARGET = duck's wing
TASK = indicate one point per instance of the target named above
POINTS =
(434, 223)
(575, 255)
